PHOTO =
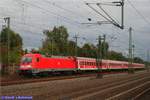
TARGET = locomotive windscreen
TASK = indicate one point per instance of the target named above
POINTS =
(26, 60)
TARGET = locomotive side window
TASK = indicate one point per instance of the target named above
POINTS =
(37, 59)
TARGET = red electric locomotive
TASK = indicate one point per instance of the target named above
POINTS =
(37, 63)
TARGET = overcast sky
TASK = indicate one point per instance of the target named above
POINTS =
(30, 17)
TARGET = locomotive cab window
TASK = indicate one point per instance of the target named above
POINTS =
(26, 60)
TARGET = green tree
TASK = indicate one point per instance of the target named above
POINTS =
(113, 55)
(10, 49)
(56, 41)
(138, 60)
(71, 48)
(88, 50)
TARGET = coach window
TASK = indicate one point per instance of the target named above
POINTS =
(90, 63)
(81, 63)
(84, 63)
(94, 64)
(87, 63)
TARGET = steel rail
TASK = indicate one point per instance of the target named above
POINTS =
(108, 89)
(127, 91)
(109, 84)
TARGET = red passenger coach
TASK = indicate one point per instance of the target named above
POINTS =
(37, 63)
(86, 63)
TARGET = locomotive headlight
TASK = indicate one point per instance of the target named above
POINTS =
(27, 66)
(22, 66)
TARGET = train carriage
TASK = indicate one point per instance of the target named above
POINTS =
(86, 63)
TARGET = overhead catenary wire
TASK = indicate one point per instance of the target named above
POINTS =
(67, 10)
(25, 30)
(62, 8)
(66, 19)
(39, 8)
(29, 25)
(36, 26)
(99, 13)
(106, 13)
(107, 17)
(139, 13)
(21, 23)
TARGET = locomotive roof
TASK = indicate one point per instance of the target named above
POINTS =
(79, 58)
(31, 54)
(48, 56)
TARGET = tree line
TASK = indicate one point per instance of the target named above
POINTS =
(57, 43)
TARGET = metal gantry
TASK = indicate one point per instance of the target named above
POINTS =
(130, 68)
(99, 55)
(148, 60)
(76, 46)
(108, 18)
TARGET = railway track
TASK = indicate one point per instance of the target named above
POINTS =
(134, 92)
(33, 80)
(123, 90)
(124, 87)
